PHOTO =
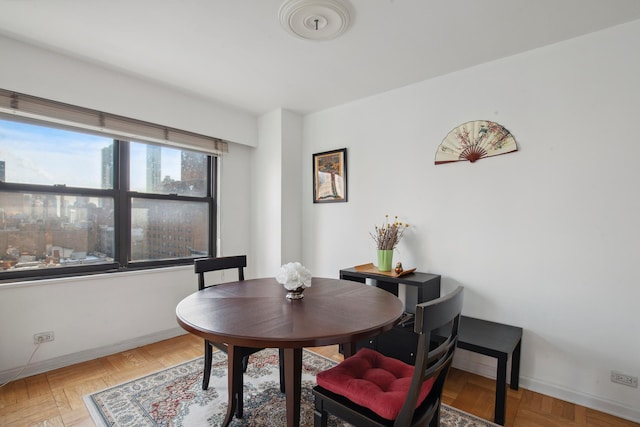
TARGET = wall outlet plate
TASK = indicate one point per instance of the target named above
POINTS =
(41, 337)
(624, 379)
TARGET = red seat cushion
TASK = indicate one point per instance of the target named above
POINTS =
(374, 381)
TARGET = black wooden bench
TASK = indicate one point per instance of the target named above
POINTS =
(499, 341)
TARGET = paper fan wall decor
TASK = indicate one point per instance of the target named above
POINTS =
(475, 140)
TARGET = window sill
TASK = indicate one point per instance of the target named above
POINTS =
(45, 281)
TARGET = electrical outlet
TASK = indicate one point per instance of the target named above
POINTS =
(624, 379)
(42, 337)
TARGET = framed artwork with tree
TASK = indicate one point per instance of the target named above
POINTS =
(330, 176)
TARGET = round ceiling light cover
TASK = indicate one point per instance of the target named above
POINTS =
(472, 141)
(315, 19)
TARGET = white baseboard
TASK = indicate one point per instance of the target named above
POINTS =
(582, 399)
(83, 356)
(486, 366)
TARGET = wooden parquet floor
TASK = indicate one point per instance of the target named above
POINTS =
(54, 399)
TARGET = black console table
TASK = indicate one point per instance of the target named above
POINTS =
(426, 286)
(400, 342)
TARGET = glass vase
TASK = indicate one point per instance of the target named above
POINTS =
(297, 293)
(385, 259)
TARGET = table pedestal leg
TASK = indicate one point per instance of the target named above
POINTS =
(348, 349)
(234, 366)
(292, 384)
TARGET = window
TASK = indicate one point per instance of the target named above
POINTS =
(176, 226)
(75, 201)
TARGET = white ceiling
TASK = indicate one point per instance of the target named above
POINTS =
(236, 52)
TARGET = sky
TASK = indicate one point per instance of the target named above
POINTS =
(43, 155)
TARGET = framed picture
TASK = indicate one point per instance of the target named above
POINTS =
(330, 176)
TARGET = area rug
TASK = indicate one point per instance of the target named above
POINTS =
(174, 397)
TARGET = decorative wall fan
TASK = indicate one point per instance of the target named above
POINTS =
(474, 140)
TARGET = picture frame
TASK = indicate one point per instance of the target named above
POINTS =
(330, 176)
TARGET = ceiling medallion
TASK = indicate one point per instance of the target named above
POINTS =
(315, 19)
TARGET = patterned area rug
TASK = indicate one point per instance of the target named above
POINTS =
(174, 397)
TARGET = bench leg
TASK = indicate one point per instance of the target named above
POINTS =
(501, 390)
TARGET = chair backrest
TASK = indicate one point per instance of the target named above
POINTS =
(436, 322)
(204, 265)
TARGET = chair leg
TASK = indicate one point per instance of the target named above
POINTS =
(435, 420)
(281, 367)
(240, 396)
(320, 417)
(208, 356)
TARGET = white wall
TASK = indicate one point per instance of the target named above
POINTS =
(236, 204)
(96, 315)
(267, 194)
(38, 72)
(90, 316)
(276, 210)
(291, 218)
(545, 238)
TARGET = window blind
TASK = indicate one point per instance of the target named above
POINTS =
(57, 112)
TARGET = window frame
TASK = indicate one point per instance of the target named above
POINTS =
(122, 199)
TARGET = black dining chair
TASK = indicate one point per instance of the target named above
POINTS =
(205, 265)
(370, 389)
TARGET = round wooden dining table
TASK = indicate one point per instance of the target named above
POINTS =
(255, 313)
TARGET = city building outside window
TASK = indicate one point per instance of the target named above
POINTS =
(74, 202)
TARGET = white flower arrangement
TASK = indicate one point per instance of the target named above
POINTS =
(293, 276)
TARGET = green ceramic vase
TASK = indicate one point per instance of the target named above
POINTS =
(385, 259)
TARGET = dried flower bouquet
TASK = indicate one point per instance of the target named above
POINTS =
(389, 234)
